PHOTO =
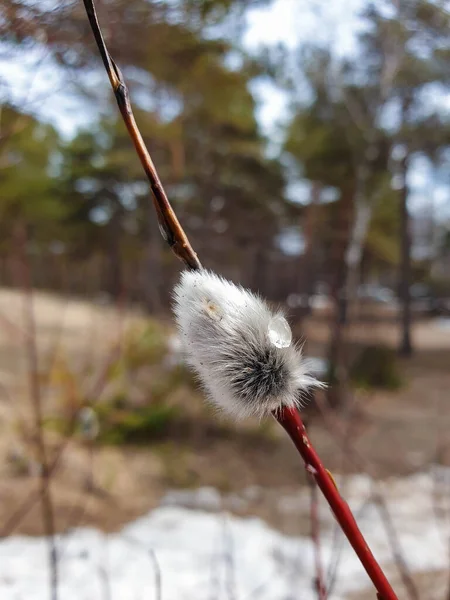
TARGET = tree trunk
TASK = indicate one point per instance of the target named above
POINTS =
(309, 256)
(405, 264)
(353, 258)
(363, 208)
(336, 350)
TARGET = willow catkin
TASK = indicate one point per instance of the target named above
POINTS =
(241, 350)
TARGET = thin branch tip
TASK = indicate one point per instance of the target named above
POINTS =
(170, 227)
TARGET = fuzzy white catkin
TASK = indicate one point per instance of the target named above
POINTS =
(240, 348)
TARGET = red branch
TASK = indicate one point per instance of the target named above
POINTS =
(291, 421)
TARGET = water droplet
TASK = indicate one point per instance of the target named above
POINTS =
(279, 332)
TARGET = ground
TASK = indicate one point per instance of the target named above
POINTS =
(393, 433)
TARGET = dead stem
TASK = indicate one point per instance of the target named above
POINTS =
(319, 580)
(36, 404)
(169, 225)
(342, 437)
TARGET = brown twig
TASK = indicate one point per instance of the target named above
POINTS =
(157, 571)
(169, 225)
(36, 402)
(319, 580)
(177, 240)
(23, 509)
(349, 410)
(394, 542)
(154, 560)
(103, 570)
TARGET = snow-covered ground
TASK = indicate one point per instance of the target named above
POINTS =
(442, 322)
(197, 553)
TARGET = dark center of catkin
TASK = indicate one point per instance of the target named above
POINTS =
(258, 374)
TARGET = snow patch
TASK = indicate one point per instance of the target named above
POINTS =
(204, 555)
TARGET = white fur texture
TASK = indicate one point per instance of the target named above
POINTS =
(225, 332)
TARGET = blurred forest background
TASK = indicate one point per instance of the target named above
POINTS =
(339, 211)
(324, 208)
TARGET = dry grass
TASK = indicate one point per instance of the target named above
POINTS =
(205, 451)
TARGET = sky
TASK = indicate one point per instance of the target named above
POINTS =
(34, 82)
(288, 21)
(336, 25)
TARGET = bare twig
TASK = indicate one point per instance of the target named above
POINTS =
(228, 556)
(319, 580)
(155, 563)
(169, 225)
(36, 402)
(103, 570)
(157, 571)
(23, 509)
(394, 542)
(350, 434)
(340, 434)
